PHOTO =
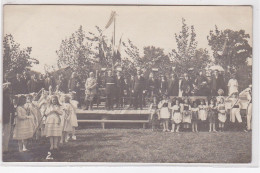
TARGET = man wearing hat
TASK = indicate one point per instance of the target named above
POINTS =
(139, 85)
(110, 83)
(8, 115)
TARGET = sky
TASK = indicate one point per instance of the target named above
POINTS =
(43, 27)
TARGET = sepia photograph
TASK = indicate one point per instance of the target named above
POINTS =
(127, 84)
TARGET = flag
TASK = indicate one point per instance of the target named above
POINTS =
(118, 53)
(111, 19)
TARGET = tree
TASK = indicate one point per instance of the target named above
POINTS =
(230, 48)
(76, 53)
(187, 55)
(16, 59)
(155, 58)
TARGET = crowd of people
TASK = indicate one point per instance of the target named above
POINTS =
(46, 107)
(121, 90)
(201, 114)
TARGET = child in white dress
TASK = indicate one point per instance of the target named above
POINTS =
(164, 114)
(24, 128)
(176, 116)
(222, 117)
(74, 120)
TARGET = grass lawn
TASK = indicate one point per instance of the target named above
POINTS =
(143, 145)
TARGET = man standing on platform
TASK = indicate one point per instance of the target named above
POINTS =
(73, 82)
(49, 83)
(139, 84)
(186, 85)
(120, 84)
(32, 84)
(173, 85)
(110, 83)
(217, 82)
(152, 87)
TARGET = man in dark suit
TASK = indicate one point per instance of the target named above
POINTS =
(33, 84)
(110, 83)
(173, 85)
(186, 85)
(217, 82)
(139, 84)
(49, 83)
(20, 86)
(120, 84)
(131, 90)
(152, 86)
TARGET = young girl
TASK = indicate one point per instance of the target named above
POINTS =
(186, 114)
(195, 116)
(221, 114)
(23, 128)
(176, 116)
(68, 111)
(212, 114)
(53, 123)
(153, 115)
(73, 119)
(202, 113)
(164, 113)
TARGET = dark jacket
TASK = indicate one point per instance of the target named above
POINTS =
(110, 82)
(139, 84)
(173, 87)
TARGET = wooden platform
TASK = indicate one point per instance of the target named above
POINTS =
(114, 116)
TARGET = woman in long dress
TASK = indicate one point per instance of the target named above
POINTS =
(23, 124)
(53, 122)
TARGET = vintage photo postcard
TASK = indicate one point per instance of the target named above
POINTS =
(127, 84)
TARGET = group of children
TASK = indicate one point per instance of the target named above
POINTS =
(191, 113)
(52, 116)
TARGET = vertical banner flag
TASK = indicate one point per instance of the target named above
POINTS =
(111, 19)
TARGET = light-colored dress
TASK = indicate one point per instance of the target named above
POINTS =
(222, 117)
(91, 90)
(164, 110)
(24, 126)
(74, 119)
(68, 111)
(233, 86)
(176, 114)
(202, 112)
(54, 121)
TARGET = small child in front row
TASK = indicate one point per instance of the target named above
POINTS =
(68, 111)
(212, 114)
(186, 113)
(222, 117)
(202, 113)
(195, 116)
(164, 114)
(176, 116)
(74, 120)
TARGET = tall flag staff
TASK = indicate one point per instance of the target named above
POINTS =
(112, 19)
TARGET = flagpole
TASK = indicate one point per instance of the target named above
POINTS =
(114, 41)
